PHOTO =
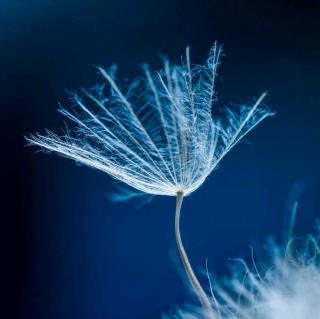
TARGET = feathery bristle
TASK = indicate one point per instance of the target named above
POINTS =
(158, 136)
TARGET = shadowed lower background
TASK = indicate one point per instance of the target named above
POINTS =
(67, 252)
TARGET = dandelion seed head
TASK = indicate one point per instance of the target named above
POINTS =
(158, 135)
(285, 287)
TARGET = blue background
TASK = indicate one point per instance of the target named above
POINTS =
(67, 252)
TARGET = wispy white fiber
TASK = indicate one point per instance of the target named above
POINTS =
(159, 135)
(285, 287)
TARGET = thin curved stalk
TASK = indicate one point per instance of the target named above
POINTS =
(203, 298)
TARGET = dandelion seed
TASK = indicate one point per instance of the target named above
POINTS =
(159, 135)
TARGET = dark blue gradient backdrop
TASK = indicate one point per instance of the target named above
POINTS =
(67, 252)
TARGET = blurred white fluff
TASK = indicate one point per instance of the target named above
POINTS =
(158, 135)
(289, 288)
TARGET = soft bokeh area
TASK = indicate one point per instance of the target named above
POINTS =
(67, 251)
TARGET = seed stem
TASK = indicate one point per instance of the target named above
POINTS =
(203, 298)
